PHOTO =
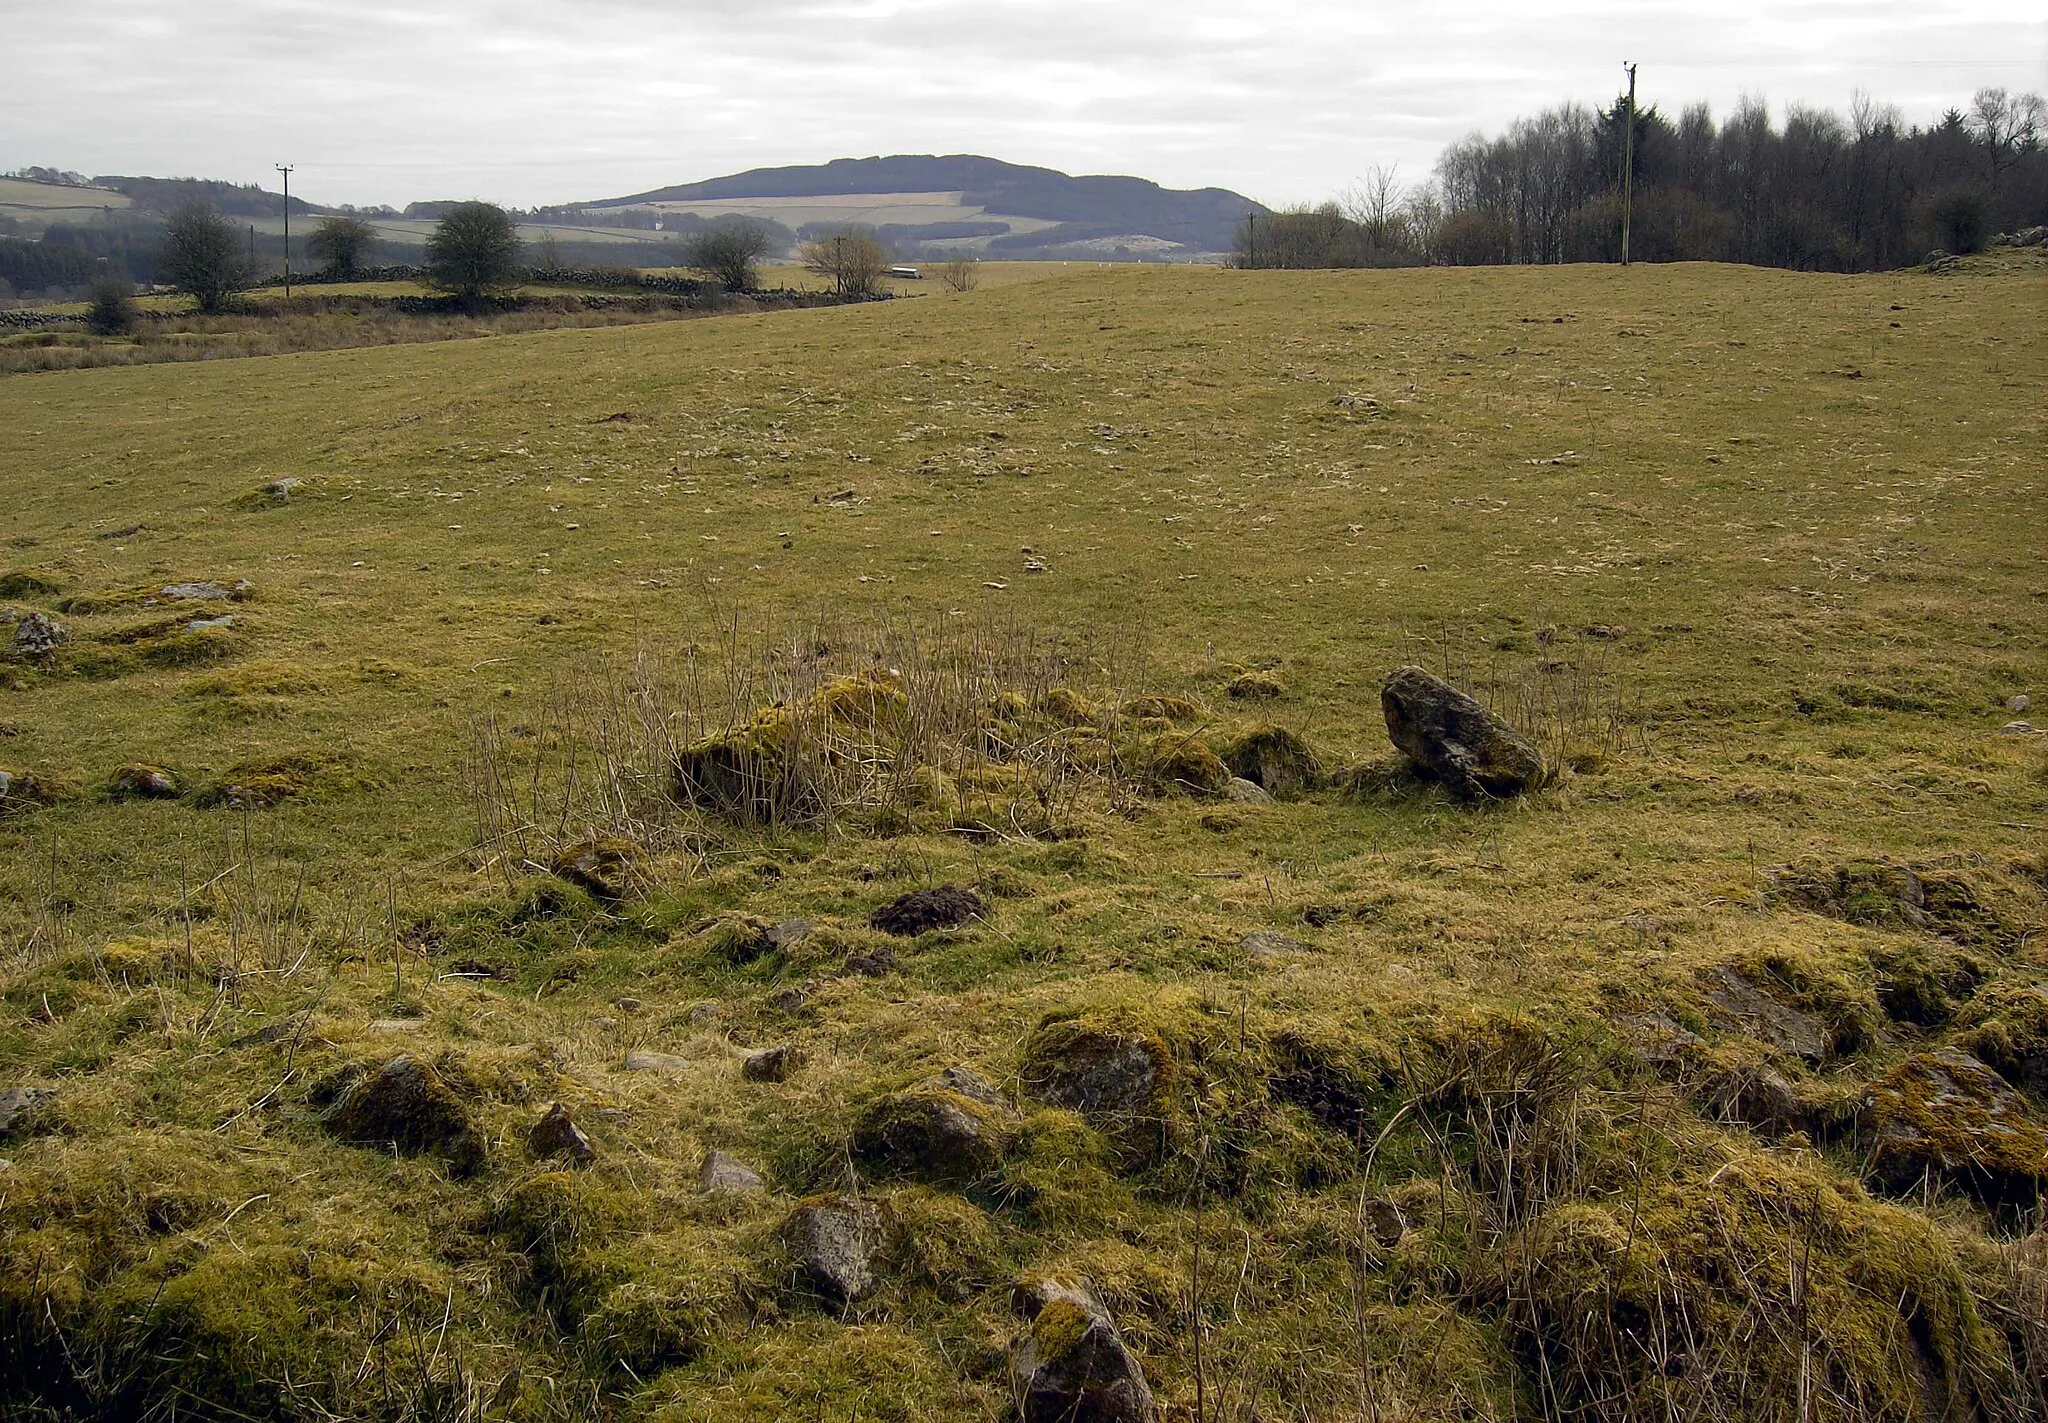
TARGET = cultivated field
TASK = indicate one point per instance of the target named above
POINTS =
(1598, 1102)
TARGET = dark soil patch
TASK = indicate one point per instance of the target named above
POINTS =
(924, 909)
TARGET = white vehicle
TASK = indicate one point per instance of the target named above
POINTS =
(910, 274)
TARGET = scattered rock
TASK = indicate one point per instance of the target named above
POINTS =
(769, 1065)
(836, 1240)
(408, 1106)
(141, 782)
(643, 1060)
(952, 1127)
(792, 1001)
(557, 1134)
(2019, 728)
(1245, 792)
(1266, 944)
(789, 933)
(2019, 705)
(700, 1014)
(1254, 686)
(1274, 759)
(626, 1005)
(875, 963)
(1661, 1041)
(396, 1025)
(1070, 1365)
(607, 866)
(38, 635)
(23, 1110)
(2008, 1032)
(1452, 738)
(728, 1173)
(1944, 1115)
(1119, 1078)
(1383, 1221)
(923, 909)
(206, 591)
(1741, 1005)
(225, 620)
(1878, 894)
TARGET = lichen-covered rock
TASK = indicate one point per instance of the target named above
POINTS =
(1118, 1076)
(609, 867)
(721, 1172)
(142, 782)
(1453, 739)
(1946, 1116)
(38, 635)
(953, 1127)
(922, 909)
(1243, 792)
(2007, 1029)
(1269, 944)
(835, 1241)
(23, 1110)
(1739, 1004)
(1274, 759)
(408, 1107)
(556, 1134)
(1070, 1365)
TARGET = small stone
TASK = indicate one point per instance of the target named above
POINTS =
(835, 1240)
(203, 592)
(1120, 1079)
(2019, 705)
(1246, 792)
(728, 1173)
(2018, 728)
(225, 620)
(1384, 1221)
(642, 1060)
(789, 933)
(768, 1065)
(1266, 944)
(626, 1005)
(38, 635)
(282, 487)
(791, 1000)
(1071, 1364)
(556, 1134)
(22, 1109)
(1450, 737)
(396, 1025)
(140, 782)
(700, 1014)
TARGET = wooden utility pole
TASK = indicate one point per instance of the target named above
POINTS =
(286, 169)
(1628, 163)
(1251, 228)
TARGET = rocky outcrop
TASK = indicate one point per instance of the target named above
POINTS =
(1945, 1116)
(835, 1242)
(1452, 739)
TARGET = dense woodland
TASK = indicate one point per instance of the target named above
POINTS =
(1817, 192)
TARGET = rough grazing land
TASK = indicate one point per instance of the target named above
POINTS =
(446, 786)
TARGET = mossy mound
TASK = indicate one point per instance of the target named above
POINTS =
(405, 1106)
(140, 781)
(1254, 687)
(1945, 899)
(933, 1133)
(29, 583)
(1177, 711)
(28, 790)
(1067, 707)
(2007, 1029)
(1804, 1269)
(1943, 1116)
(1111, 1068)
(773, 766)
(1275, 759)
(1178, 763)
(259, 784)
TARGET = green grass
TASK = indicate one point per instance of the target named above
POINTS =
(1795, 522)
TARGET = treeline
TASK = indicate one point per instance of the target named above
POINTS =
(1819, 192)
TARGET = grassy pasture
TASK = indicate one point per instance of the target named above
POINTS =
(1791, 530)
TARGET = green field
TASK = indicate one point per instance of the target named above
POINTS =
(1761, 557)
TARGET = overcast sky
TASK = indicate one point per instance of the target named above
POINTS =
(535, 101)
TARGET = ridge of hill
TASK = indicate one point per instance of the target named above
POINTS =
(1081, 208)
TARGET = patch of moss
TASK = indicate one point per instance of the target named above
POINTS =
(29, 583)
(1068, 707)
(1177, 711)
(1254, 686)
(1181, 763)
(259, 784)
(1276, 759)
(2007, 1029)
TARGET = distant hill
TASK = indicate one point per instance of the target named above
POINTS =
(1098, 215)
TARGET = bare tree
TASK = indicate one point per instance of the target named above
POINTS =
(202, 255)
(961, 274)
(851, 257)
(1374, 203)
(342, 242)
(730, 254)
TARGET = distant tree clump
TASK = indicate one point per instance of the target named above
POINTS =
(851, 257)
(202, 255)
(343, 243)
(730, 254)
(473, 252)
(112, 309)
